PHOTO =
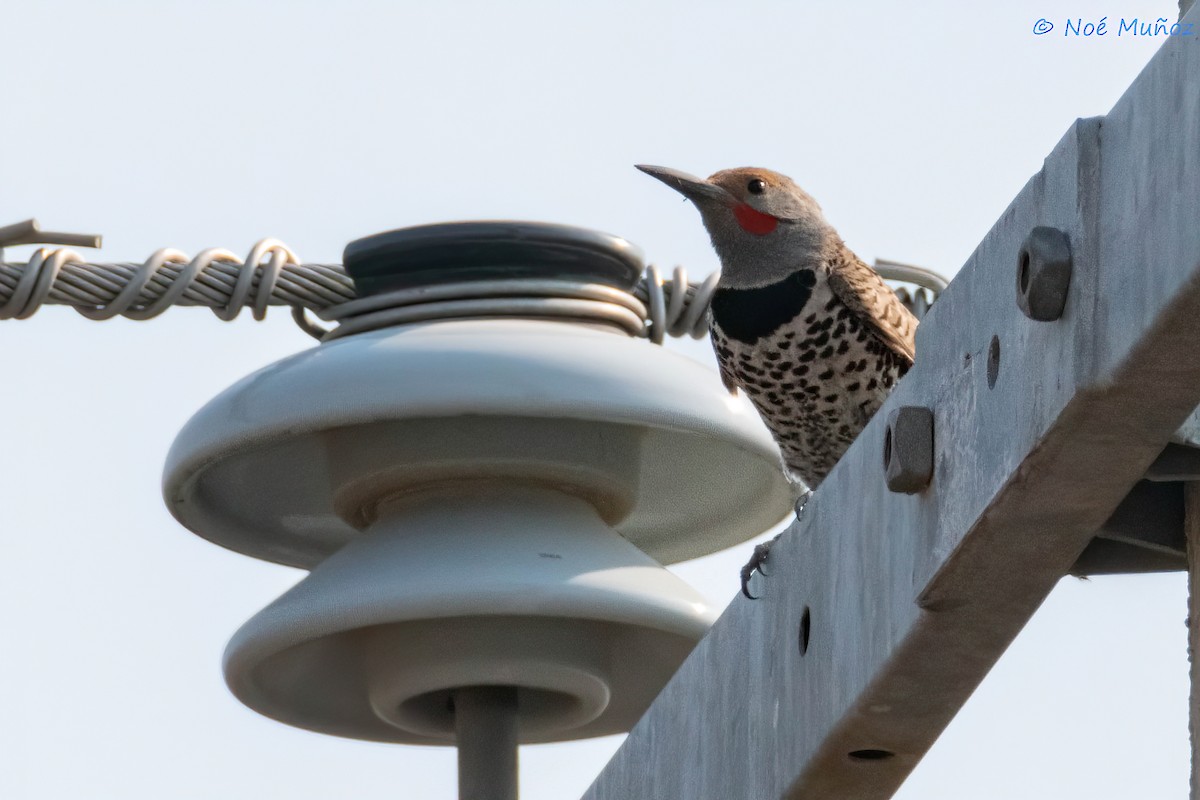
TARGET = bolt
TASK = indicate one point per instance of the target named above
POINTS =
(908, 449)
(1044, 273)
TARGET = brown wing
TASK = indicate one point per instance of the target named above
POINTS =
(865, 293)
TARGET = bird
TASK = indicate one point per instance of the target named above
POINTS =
(799, 323)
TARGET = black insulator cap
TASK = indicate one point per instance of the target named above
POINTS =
(454, 252)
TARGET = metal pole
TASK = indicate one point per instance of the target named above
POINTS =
(485, 725)
(1192, 524)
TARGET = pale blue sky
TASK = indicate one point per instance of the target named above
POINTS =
(218, 123)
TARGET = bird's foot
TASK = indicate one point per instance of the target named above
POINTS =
(762, 551)
(802, 501)
(755, 564)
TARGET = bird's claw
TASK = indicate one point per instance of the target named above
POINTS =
(802, 501)
(757, 559)
(761, 551)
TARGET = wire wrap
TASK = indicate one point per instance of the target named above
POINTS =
(272, 275)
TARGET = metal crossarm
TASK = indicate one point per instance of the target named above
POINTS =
(883, 611)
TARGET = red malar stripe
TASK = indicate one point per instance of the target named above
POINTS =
(754, 221)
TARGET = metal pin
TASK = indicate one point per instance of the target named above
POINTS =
(29, 232)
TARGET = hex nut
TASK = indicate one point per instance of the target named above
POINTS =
(908, 449)
(1044, 273)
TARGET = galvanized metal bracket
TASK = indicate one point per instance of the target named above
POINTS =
(1045, 431)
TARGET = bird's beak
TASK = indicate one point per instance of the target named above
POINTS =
(691, 187)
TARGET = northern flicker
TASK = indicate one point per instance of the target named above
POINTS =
(810, 333)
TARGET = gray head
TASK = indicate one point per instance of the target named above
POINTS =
(762, 225)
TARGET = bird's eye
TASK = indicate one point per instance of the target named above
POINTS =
(756, 186)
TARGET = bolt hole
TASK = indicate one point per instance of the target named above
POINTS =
(993, 362)
(805, 630)
(871, 755)
(1023, 272)
(887, 447)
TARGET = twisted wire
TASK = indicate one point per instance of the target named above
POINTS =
(272, 275)
(677, 308)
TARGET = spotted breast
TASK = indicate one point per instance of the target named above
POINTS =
(813, 367)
